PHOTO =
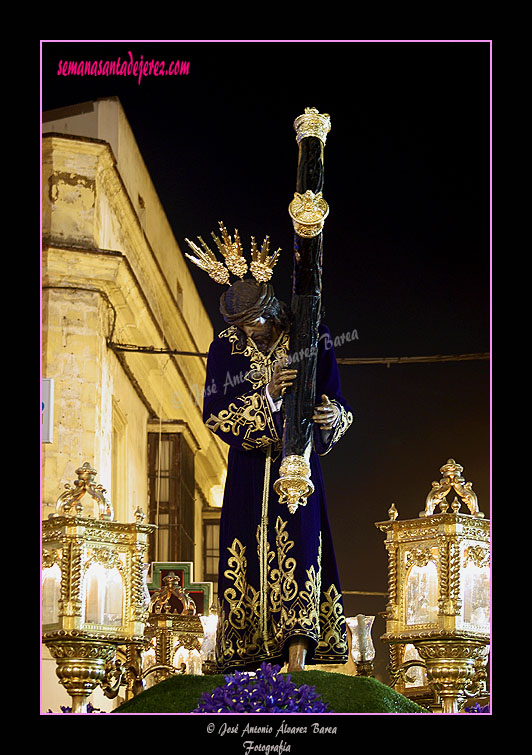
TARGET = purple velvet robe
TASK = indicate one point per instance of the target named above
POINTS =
(277, 574)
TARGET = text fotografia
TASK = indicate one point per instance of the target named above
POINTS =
(127, 67)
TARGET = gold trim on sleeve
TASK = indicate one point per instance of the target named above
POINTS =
(344, 423)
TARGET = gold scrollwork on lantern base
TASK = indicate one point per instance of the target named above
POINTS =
(452, 668)
(80, 667)
(308, 212)
(294, 485)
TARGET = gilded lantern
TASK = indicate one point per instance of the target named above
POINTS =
(176, 636)
(93, 585)
(438, 611)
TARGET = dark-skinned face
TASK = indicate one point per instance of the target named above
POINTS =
(261, 331)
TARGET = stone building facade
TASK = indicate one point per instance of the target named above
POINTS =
(113, 273)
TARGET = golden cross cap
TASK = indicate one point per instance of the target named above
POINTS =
(312, 123)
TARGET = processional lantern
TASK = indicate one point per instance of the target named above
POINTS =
(308, 211)
(438, 611)
(94, 592)
(176, 636)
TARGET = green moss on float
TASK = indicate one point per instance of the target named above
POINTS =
(343, 693)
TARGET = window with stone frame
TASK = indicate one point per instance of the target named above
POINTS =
(211, 553)
(171, 497)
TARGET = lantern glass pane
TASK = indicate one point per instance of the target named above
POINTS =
(417, 674)
(191, 659)
(149, 659)
(104, 595)
(422, 594)
(476, 594)
(181, 656)
(114, 598)
(94, 594)
(195, 663)
(51, 592)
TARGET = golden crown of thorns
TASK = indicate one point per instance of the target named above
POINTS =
(260, 267)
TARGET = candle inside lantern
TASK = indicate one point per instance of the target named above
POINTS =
(95, 594)
(476, 594)
(104, 595)
(422, 594)
(114, 597)
(208, 645)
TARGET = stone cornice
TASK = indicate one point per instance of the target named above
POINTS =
(159, 379)
(143, 257)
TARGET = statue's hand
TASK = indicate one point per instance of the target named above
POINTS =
(326, 414)
(282, 379)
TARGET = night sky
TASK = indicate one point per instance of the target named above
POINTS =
(407, 255)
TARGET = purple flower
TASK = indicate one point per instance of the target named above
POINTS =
(67, 709)
(266, 691)
(478, 709)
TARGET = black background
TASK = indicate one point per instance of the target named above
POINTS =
(407, 260)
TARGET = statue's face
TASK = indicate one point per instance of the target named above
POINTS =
(260, 330)
(257, 328)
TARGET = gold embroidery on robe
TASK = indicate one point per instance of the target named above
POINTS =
(302, 614)
(261, 364)
(250, 413)
(239, 635)
(292, 610)
(333, 640)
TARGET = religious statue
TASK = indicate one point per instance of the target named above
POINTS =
(273, 394)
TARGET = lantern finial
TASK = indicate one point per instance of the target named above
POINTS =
(393, 513)
(73, 495)
(452, 480)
